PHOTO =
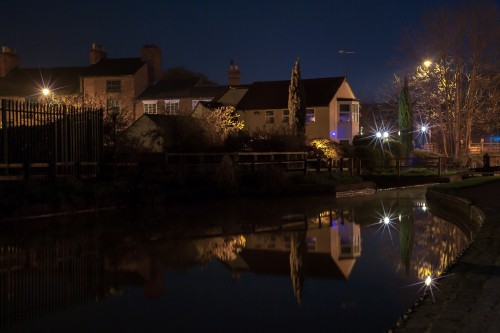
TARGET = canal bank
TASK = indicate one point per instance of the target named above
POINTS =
(468, 295)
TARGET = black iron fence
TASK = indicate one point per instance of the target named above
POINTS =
(40, 139)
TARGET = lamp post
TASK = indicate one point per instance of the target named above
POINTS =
(113, 112)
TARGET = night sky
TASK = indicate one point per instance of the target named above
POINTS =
(264, 37)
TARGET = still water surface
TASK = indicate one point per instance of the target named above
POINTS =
(269, 265)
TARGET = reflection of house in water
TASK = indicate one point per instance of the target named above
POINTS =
(333, 245)
(47, 277)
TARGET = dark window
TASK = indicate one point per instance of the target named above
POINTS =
(269, 117)
(113, 86)
(344, 107)
(345, 113)
(286, 116)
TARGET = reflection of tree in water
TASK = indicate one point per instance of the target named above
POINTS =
(298, 255)
(406, 235)
(437, 242)
(226, 249)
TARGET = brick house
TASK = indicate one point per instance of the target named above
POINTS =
(176, 96)
(106, 81)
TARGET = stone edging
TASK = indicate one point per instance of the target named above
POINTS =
(474, 222)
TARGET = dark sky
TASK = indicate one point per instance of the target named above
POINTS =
(264, 37)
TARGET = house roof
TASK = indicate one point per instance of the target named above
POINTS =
(274, 94)
(181, 88)
(264, 262)
(114, 67)
(27, 82)
(233, 95)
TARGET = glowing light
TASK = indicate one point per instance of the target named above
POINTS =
(334, 134)
(46, 91)
(427, 63)
(428, 281)
(423, 128)
(380, 136)
(386, 220)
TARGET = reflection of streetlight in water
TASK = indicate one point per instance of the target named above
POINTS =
(386, 220)
(429, 282)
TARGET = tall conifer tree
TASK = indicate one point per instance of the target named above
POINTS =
(406, 120)
(297, 102)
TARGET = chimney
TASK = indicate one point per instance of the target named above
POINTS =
(151, 54)
(233, 74)
(97, 53)
(8, 60)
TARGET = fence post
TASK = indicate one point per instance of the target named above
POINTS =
(26, 170)
(439, 166)
(318, 165)
(398, 166)
(78, 170)
(305, 165)
(341, 166)
(351, 166)
(4, 133)
(330, 162)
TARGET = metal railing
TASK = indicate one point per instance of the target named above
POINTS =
(53, 138)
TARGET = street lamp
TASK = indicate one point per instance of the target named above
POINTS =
(427, 63)
(113, 112)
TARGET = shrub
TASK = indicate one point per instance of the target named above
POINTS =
(324, 148)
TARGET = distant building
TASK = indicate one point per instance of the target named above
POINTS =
(106, 81)
(332, 108)
(176, 96)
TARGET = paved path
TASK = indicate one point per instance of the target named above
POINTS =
(468, 299)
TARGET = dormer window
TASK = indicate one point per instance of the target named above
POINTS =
(113, 86)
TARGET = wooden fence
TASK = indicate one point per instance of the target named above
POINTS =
(484, 147)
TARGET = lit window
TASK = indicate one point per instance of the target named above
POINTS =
(344, 113)
(310, 116)
(172, 106)
(269, 117)
(355, 113)
(113, 86)
(286, 116)
(150, 107)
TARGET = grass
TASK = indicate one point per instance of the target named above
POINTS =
(410, 172)
(471, 182)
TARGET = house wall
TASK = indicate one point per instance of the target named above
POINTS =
(139, 136)
(255, 121)
(321, 127)
(95, 88)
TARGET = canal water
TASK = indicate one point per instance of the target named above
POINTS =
(245, 265)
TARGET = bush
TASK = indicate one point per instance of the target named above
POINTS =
(276, 141)
(324, 148)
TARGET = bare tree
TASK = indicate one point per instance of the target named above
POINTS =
(459, 90)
